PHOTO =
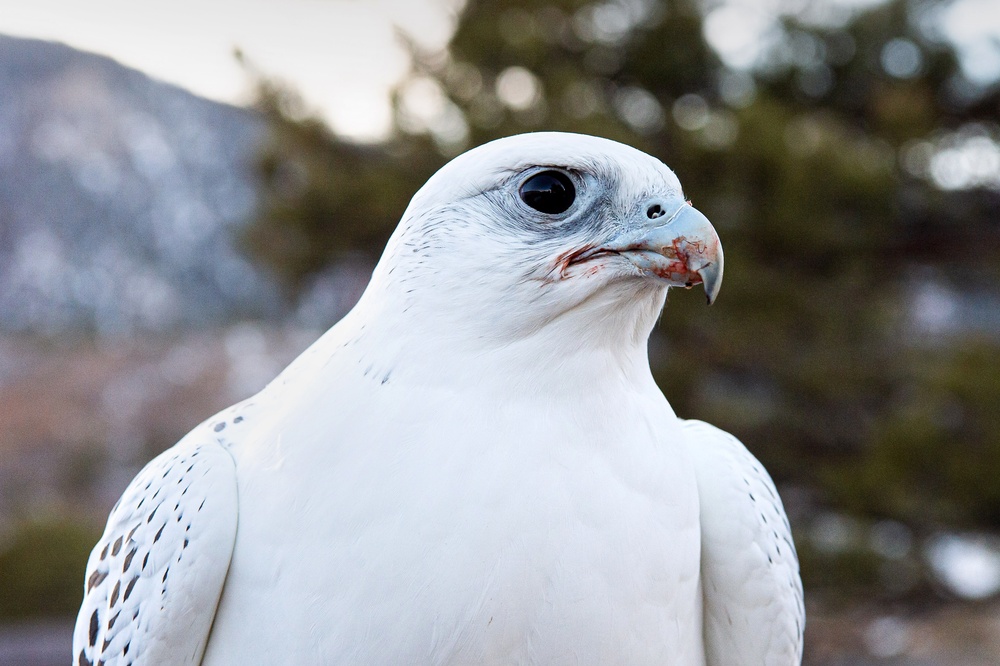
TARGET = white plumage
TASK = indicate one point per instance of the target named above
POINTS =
(474, 465)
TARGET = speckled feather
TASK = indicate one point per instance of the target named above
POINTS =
(155, 577)
(750, 571)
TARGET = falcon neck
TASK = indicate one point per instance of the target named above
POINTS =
(602, 341)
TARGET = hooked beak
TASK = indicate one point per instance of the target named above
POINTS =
(681, 248)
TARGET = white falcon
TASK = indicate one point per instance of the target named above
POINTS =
(474, 465)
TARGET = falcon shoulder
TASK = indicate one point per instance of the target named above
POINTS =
(154, 579)
(753, 608)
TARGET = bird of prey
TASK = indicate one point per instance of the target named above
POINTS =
(474, 466)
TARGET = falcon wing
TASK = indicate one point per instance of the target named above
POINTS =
(155, 577)
(750, 573)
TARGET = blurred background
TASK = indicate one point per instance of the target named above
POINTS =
(191, 192)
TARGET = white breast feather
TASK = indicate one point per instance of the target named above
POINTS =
(750, 572)
(154, 579)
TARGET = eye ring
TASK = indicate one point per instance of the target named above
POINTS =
(550, 192)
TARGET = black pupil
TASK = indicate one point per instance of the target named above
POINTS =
(549, 192)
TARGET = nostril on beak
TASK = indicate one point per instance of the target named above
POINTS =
(655, 211)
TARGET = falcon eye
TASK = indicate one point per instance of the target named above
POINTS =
(549, 192)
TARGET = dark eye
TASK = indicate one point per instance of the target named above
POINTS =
(549, 192)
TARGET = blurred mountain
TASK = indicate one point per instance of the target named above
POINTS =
(119, 196)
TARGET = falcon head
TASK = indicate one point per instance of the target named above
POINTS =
(536, 228)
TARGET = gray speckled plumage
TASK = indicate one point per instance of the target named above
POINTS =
(161, 561)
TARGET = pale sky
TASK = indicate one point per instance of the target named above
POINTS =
(342, 55)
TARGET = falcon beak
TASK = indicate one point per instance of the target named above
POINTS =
(680, 247)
